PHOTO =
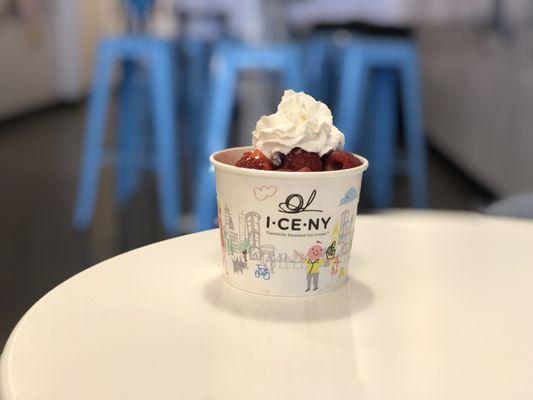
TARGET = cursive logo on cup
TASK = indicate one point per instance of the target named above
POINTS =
(294, 204)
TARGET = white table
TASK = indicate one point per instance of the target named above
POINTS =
(438, 307)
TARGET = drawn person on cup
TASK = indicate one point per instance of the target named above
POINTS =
(335, 266)
(313, 261)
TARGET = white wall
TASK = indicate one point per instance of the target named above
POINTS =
(48, 56)
(478, 89)
(28, 64)
(96, 19)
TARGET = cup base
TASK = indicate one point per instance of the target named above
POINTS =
(310, 293)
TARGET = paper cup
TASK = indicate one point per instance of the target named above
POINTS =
(285, 233)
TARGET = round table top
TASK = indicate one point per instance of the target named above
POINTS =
(438, 305)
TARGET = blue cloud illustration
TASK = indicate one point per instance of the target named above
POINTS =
(350, 196)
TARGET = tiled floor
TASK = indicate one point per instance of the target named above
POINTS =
(39, 157)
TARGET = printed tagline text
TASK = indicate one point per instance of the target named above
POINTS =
(300, 235)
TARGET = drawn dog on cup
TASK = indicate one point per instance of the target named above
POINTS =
(239, 266)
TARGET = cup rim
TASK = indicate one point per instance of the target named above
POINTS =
(284, 174)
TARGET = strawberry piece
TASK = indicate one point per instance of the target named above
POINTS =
(339, 159)
(304, 169)
(297, 159)
(324, 158)
(255, 160)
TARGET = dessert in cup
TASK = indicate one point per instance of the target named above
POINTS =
(287, 205)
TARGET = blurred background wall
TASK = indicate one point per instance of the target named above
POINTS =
(47, 50)
(478, 91)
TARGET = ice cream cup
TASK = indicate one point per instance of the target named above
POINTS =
(285, 233)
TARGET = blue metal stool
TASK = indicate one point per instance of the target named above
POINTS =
(132, 128)
(197, 54)
(200, 30)
(317, 49)
(371, 69)
(229, 59)
(158, 58)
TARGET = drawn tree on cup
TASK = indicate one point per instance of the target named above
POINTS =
(227, 242)
(245, 249)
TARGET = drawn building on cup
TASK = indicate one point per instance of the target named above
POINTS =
(345, 235)
(231, 237)
(253, 234)
(268, 256)
(284, 261)
(246, 236)
(242, 229)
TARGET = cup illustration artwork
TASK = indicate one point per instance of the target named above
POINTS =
(287, 206)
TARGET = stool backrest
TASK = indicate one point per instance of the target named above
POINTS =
(137, 14)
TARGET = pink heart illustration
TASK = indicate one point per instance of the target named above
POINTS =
(263, 192)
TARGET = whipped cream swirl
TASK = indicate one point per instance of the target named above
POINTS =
(300, 121)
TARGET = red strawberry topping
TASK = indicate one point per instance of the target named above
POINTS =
(255, 160)
(298, 159)
(339, 159)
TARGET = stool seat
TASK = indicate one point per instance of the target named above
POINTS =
(372, 70)
(230, 58)
(136, 53)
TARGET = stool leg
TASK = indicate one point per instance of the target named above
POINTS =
(293, 71)
(221, 100)
(93, 142)
(315, 66)
(130, 118)
(383, 117)
(352, 93)
(416, 146)
(166, 149)
(197, 58)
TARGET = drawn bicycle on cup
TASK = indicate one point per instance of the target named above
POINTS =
(262, 271)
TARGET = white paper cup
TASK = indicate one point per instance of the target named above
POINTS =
(285, 233)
